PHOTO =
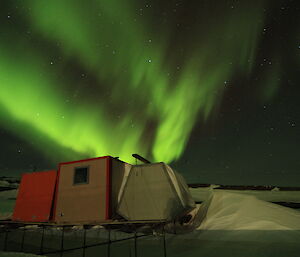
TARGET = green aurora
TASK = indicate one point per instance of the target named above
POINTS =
(146, 95)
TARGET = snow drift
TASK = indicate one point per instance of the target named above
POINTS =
(237, 225)
(231, 211)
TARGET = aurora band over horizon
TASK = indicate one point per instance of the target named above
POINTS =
(136, 80)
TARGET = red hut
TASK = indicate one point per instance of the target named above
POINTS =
(35, 197)
(80, 191)
(87, 190)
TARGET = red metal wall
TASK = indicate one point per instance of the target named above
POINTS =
(35, 197)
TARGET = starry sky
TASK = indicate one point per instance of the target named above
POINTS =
(209, 87)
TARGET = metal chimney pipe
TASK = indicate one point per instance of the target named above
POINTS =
(138, 157)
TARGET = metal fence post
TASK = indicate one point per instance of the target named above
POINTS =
(23, 240)
(62, 242)
(164, 241)
(108, 245)
(5, 240)
(135, 244)
(42, 240)
(84, 241)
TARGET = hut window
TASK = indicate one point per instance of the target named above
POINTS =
(81, 175)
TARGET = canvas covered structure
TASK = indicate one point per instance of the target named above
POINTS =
(35, 197)
(102, 189)
(87, 190)
(154, 192)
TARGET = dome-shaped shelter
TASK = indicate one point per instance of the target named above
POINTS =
(154, 192)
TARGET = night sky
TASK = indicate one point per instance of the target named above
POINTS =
(210, 87)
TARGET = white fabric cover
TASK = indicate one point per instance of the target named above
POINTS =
(126, 174)
(154, 192)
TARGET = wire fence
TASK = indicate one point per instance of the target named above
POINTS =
(82, 242)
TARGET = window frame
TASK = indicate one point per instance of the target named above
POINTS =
(87, 175)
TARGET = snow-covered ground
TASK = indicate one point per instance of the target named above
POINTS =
(228, 223)
(8, 183)
(7, 203)
(275, 195)
(240, 225)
